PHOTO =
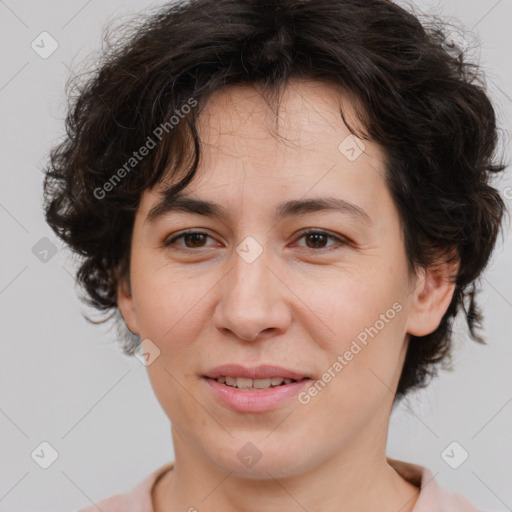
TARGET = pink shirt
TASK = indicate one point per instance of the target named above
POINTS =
(432, 498)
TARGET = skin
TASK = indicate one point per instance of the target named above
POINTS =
(300, 305)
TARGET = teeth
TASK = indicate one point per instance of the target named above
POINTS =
(263, 383)
(244, 383)
(241, 382)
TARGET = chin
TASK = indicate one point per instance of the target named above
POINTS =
(259, 461)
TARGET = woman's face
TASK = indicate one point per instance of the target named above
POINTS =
(252, 289)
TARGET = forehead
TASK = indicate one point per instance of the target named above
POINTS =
(304, 112)
(248, 152)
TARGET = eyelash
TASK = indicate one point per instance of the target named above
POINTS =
(309, 231)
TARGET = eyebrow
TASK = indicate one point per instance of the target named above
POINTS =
(183, 203)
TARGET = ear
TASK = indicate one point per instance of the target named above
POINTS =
(431, 297)
(126, 304)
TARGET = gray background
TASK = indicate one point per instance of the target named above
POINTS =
(64, 381)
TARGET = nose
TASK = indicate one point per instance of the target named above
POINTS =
(252, 302)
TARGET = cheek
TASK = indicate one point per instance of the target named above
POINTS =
(349, 305)
(168, 302)
(366, 320)
(360, 378)
(172, 393)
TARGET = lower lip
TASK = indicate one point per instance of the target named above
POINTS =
(255, 401)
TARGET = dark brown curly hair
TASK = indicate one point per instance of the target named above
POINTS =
(415, 95)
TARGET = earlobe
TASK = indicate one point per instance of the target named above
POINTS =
(126, 305)
(431, 298)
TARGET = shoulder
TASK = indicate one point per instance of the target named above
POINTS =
(137, 499)
(432, 496)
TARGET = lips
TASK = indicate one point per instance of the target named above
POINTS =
(254, 373)
(252, 400)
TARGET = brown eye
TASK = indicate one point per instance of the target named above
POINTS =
(196, 239)
(193, 240)
(317, 239)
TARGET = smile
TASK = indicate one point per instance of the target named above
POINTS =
(250, 398)
(254, 384)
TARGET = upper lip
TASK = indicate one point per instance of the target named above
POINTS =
(264, 371)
